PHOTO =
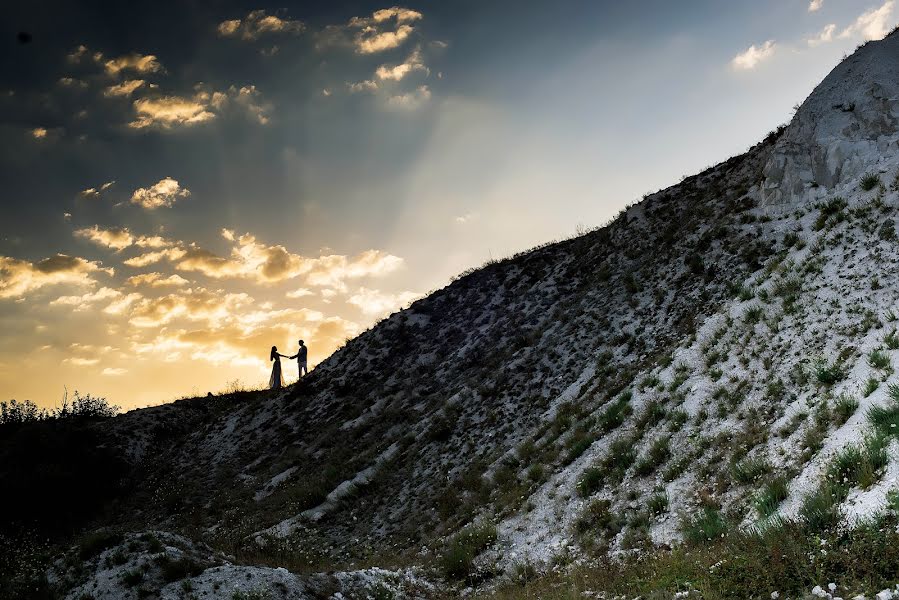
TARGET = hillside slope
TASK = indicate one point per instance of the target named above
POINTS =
(713, 354)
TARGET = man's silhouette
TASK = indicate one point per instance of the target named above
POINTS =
(301, 359)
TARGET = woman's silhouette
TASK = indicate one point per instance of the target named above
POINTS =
(276, 381)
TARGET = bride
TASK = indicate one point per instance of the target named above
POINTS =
(276, 381)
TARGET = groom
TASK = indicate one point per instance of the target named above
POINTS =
(301, 359)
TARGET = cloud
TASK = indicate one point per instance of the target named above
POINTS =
(169, 111)
(463, 219)
(138, 63)
(95, 192)
(398, 72)
(368, 42)
(815, 5)
(113, 371)
(117, 238)
(332, 271)
(300, 293)
(411, 100)
(126, 88)
(752, 56)
(156, 280)
(377, 303)
(823, 36)
(81, 362)
(873, 24)
(195, 304)
(39, 133)
(162, 194)
(386, 29)
(84, 301)
(257, 24)
(19, 277)
(362, 86)
(71, 82)
(77, 54)
(150, 258)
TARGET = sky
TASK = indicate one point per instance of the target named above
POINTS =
(186, 184)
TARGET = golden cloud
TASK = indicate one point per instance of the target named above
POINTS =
(169, 111)
(256, 24)
(84, 301)
(398, 72)
(126, 88)
(164, 193)
(197, 304)
(133, 62)
(117, 238)
(386, 29)
(156, 280)
(18, 277)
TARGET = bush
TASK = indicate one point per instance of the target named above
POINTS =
(828, 374)
(869, 181)
(879, 359)
(590, 481)
(775, 491)
(613, 416)
(707, 526)
(658, 453)
(658, 503)
(821, 510)
(844, 407)
(749, 470)
(871, 385)
(458, 557)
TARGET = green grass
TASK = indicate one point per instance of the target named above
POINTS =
(828, 374)
(749, 470)
(786, 558)
(871, 385)
(773, 493)
(879, 360)
(705, 527)
(658, 453)
(869, 181)
(658, 503)
(891, 340)
(458, 557)
(843, 408)
(615, 414)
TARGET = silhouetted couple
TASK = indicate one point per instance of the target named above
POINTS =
(277, 381)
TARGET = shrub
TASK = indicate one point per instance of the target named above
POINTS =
(879, 359)
(652, 415)
(658, 503)
(774, 492)
(590, 481)
(614, 415)
(174, 570)
(749, 470)
(887, 230)
(598, 516)
(869, 181)
(658, 453)
(458, 557)
(133, 577)
(870, 386)
(891, 340)
(704, 527)
(828, 374)
(753, 314)
(844, 407)
(821, 510)
(96, 542)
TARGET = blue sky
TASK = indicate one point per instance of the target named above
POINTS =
(218, 176)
